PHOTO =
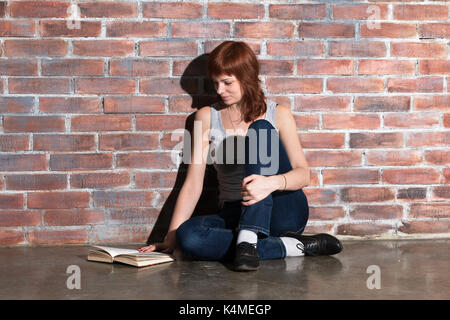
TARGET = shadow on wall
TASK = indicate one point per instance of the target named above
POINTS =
(196, 83)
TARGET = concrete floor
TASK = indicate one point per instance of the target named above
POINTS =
(409, 269)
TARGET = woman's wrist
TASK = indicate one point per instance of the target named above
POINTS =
(278, 182)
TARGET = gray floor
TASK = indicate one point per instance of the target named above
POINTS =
(409, 269)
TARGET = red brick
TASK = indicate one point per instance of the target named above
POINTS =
(101, 123)
(412, 194)
(103, 48)
(80, 161)
(442, 192)
(154, 160)
(320, 196)
(326, 30)
(70, 105)
(420, 84)
(39, 9)
(59, 28)
(132, 29)
(22, 162)
(138, 67)
(352, 48)
(255, 45)
(160, 122)
(321, 103)
(226, 10)
(321, 228)
(36, 182)
(11, 237)
(308, 121)
(12, 218)
(69, 142)
(168, 48)
(410, 176)
(129, 141)
(17, 28)
(377, 140)
(57, 237)
(401, 157)
(263, 30)
(123, 198)
(134, 104)
(183, 104)
(434, 30)
(11, 201)
(9, 142)
(294, 85)
(325, 66)
(18, 67)
(174, 10)
(434, 66)
(350, 176)
(39, 85)
(73, 217)
(351, 121)
(119, 234)
(2, 8)
(155, 179)
(16, 104)
(100, 180)
(364, 229)
(333, 158)
(415, 227)
(420, 12)
(418, 50)
(447, 120)
(100, 9)
(58, 200)
(34, 48)
(435, 139)
(446, 175)
(411, 120)
(297, 11)
(138, 216)
(104, 86)
(365, 212)
(72, 67)
(382, 104)
(359, 11)
(429, 210)
(200, 29)
(386, 67)
(388, 30)
(168, 86)
(323, 140)
(353, 194)
(34, 124)
(296, 48)
(355, 84)
(326, 213)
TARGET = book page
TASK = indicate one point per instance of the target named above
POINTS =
(116, 251)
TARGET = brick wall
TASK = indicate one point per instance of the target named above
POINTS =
(88, 109)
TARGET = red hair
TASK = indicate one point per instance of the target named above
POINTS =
(238, 59)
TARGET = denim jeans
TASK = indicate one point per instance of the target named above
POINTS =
(213, 237)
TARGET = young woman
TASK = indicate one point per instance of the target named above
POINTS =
(263, 210)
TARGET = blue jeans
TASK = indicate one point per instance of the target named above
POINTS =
(213, 237)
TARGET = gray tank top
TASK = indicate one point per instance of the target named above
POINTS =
(230, 168)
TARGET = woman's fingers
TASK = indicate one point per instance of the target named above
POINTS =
(147, 248)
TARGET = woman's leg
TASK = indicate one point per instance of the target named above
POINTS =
(209, 237)
(279, 212)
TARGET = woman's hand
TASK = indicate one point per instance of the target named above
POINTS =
(167, 246)
(255, 188)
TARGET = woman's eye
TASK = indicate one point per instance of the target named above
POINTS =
(228, 83)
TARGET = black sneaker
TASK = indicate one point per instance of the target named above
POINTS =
(317, 245)
(246, 257)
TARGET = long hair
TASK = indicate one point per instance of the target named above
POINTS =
(237, 58)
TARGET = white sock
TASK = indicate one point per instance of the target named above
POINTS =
(247, 236)
(294, 248)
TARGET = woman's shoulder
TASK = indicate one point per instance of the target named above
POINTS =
(282, 114)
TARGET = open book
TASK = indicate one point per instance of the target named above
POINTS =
(128, 256)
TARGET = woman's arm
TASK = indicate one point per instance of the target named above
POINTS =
(299, 176)
(193, 185)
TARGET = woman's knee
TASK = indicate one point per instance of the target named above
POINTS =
(188, 237)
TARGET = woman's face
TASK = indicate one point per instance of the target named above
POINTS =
(229, 88)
